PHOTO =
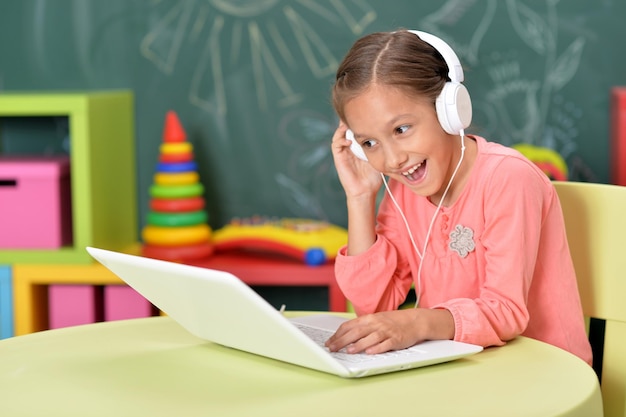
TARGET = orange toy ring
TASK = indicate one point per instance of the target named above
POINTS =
(175, 157)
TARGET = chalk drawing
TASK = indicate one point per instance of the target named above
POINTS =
(299, 199)
(162, 44)
(310, 164)
(453, 15)
(237, 24)
(210, 63)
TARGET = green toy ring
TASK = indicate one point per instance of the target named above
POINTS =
(176, 191)
(177, 219)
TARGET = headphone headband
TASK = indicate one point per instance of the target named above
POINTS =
(455, 70)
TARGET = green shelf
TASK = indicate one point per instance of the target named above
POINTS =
(102, 167)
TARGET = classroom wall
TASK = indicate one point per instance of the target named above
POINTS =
(250, 80)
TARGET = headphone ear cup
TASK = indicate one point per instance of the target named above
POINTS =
(356, 149)
(454, 108)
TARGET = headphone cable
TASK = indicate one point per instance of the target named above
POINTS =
(421, 255)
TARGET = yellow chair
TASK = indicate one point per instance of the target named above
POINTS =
(595, 220)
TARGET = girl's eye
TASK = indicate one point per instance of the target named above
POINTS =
(401, 129)
(368, 143)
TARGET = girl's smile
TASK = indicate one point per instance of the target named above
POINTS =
(416, 172)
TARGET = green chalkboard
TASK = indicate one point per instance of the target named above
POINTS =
(250, 80)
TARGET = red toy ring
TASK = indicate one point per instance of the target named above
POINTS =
(172, 205)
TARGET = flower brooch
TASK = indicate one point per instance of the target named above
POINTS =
(462, 240)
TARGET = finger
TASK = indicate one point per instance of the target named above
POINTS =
(340, 131)
(348, 333)
(339, 141)
(371, 344)
(369, 336)
(338, 341)
(384, 346)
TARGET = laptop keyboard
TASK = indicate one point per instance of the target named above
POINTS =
(320, 336)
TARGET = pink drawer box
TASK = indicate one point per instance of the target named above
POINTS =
(35, 203)
(73, 305)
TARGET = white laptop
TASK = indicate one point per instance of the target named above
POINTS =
(217, 306)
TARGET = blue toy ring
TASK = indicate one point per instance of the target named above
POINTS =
(177, 166)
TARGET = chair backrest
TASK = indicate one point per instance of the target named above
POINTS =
(595, 221)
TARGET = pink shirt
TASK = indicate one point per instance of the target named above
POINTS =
(497, 258)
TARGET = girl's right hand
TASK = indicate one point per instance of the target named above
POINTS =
(358, 177)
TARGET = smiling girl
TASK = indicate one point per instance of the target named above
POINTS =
(473, 226)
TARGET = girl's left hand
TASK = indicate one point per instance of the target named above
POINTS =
(392, 330)
(357, 177)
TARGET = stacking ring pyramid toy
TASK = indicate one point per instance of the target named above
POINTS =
(177, 228)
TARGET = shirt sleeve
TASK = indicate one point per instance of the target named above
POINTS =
(380, 278)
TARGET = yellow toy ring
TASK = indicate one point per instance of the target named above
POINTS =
(176, 147)
(180, 178)
(175, 236)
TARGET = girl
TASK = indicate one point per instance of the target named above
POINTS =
(472, 225)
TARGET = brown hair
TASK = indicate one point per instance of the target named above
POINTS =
(396, 59)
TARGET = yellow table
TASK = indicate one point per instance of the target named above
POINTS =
(153, 367)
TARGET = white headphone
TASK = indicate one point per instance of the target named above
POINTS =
(453, 105)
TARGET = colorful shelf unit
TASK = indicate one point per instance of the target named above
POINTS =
(6, 302)
(102, 169)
